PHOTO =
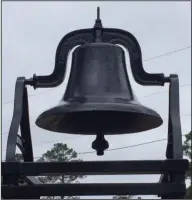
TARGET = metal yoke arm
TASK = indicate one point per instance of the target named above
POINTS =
(67, 43)
(126, 39)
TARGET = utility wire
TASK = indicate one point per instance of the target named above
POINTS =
(120, 148)
(168, 53)
(126, 147)
(185, 85)
(11, 101)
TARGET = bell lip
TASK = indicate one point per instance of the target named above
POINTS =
(67, 107)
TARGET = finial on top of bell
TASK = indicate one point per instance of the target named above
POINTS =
(98, 23)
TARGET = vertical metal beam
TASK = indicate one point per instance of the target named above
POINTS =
(174, 118)
(16, 120)
(174, 146)
(20, 118)
(25, 129)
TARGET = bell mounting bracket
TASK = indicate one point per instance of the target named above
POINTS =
(172, 170)
(97, 34)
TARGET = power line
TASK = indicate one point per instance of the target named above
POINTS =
(7, 102)
(165, 90)
(168, 53)
(120, 148)
(126, 147)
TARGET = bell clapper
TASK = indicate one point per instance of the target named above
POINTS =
(100, 144)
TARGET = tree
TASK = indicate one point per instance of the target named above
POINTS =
(60, 153)
(187, 152)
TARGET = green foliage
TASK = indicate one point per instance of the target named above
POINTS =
(187, 145)
(60, 153)
(187, 152)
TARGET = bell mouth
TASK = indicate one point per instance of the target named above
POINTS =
(89, 118)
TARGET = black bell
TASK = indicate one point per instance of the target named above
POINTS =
(99, 97)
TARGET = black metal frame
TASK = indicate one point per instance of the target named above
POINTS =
(173, 169)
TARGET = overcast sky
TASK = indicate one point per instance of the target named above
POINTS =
(31, 32)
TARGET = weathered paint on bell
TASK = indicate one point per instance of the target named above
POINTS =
(99, 96)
